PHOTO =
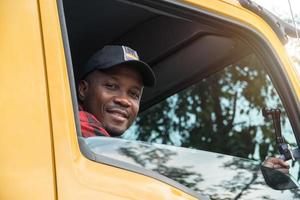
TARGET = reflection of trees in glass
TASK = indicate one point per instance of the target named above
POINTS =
(246, 182)
(156, 159)
(221, 113)
(250, 181)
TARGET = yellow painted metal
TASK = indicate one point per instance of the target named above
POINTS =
(77, 177)
(231, 9)
(26, 169)
(40, 156)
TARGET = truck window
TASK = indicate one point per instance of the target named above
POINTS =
(221, 113)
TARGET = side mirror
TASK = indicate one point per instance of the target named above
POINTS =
(277, 179)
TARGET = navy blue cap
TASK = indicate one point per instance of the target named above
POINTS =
(114, 55)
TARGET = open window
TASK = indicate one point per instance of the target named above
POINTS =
(202, 122)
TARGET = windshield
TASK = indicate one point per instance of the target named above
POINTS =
(287, 10)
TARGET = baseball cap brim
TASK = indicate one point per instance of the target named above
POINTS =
(143, 68)
(116, 55)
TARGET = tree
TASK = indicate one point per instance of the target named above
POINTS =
(221, 113)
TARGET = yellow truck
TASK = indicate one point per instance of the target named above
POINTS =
(200, 134)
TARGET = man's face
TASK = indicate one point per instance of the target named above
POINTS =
(113, 97)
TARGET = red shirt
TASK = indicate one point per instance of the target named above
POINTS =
(90, 126)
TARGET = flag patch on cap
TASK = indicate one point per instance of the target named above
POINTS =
(130, 54)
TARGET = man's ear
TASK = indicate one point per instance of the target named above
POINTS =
(83, 87)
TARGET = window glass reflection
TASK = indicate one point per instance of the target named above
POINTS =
(221, 113)
(215, 175)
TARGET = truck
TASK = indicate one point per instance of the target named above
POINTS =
(227, 96)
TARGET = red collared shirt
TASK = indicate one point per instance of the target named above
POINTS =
(90, 126)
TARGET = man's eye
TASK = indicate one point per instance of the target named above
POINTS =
(111, 86)
(135, 95)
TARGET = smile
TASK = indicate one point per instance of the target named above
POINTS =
(118, 114)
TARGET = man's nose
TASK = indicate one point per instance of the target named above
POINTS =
(122, 100)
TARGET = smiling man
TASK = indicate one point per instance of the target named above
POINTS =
(109, 91)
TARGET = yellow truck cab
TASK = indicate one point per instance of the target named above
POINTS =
(223, 75)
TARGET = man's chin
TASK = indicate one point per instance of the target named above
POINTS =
(115, 131)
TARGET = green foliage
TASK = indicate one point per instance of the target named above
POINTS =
(221, 113)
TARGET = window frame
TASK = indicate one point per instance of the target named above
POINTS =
(253, 38)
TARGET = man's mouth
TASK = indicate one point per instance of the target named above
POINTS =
(118, 114)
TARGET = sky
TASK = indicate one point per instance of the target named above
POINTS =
(282, 9)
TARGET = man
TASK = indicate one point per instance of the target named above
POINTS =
(109, 93)
(110, 89)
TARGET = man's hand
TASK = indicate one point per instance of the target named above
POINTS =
(278, 164)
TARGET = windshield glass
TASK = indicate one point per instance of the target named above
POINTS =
(287, 12)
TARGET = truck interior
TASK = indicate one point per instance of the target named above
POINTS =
(180, 51)
(182, 45)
